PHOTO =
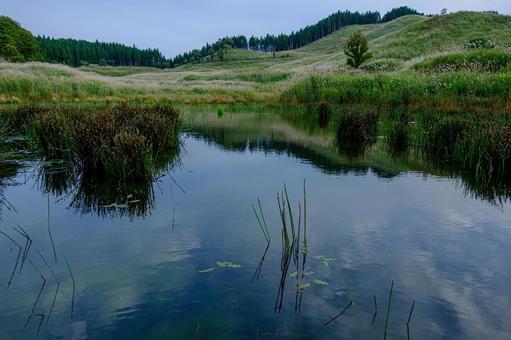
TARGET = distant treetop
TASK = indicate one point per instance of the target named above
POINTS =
(399, 12)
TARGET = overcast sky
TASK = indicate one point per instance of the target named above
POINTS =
(176, 26)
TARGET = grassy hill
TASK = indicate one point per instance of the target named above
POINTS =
(257, 76)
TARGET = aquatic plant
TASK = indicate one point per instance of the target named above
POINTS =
(356, 129)
(325, 114)
(122, 141)
(262, 221)
(388, 310)
(397, 133)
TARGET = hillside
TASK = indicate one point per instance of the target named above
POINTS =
(246, 75)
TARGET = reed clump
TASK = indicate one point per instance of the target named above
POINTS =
(325, 114)
(356, 129)
(477, 143)
(441, 133)
(397, 133)
(122, 141)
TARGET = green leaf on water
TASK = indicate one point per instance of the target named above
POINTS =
(209, 270)
(293, 275)
(304, 285)
(320, 282)
(227, 264)
(308, 273)
(326, 260)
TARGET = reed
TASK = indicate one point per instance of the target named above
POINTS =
(17, 258)
(74, 285)
(262, 221)
(56, 289)
(388, 310)
(409, 319)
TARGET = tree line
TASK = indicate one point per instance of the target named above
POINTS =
(80, 52)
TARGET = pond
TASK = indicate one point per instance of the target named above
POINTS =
(185, 257)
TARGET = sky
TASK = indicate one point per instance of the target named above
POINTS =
(176, 26)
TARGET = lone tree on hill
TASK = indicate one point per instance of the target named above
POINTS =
(356, 50)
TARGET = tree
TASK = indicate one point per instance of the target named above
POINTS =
(357, 50)
(16, 43)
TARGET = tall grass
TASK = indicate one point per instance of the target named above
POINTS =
(476, 61)
(461, 89)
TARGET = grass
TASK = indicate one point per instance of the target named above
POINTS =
(118, 71)
(476, 61)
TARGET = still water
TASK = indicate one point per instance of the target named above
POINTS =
(184, 256)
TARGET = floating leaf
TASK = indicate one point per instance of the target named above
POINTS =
(293, 275)
(209, 270)
(326, 260)
(320, 282)
(304, 285)
(308, 273)
(227, 264)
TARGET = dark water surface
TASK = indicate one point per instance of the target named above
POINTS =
(145, 265)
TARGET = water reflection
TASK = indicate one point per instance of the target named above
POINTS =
(104, 196)
(307, 137)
